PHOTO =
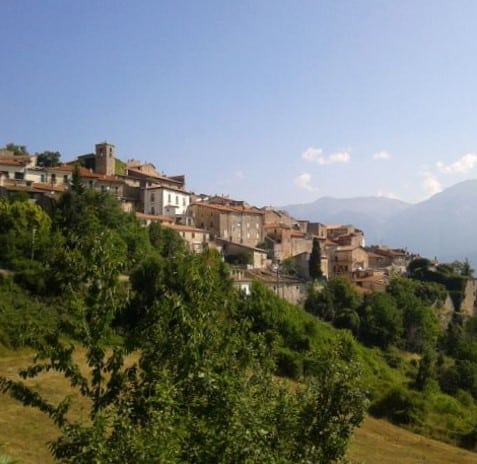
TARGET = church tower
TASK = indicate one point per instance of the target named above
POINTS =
(105, 158)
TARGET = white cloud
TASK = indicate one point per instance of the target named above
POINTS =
(315, 155)
(431, 185)
(304, 182)
(390, 195)
(381, 155)
(312, 154)
(340, 157)
(463, 165)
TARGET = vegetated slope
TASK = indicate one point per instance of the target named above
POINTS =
(379, 442)
(369, 214)
(442, 226)
(375, 442)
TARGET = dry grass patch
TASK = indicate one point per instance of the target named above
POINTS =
(379, 442)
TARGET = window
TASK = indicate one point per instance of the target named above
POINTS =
(177, 199)
(168, 197)
(183, 201)
(152, 197)
(65, 179)
(43, 178)
(53, 178)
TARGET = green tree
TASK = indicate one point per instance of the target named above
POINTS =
(48, 159)
(314, 264)
(427, 369)
(24, 231)
(203, 388)
(381, 321)
(344, 294)
(18, 150)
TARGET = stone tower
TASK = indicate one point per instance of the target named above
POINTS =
(105, 158)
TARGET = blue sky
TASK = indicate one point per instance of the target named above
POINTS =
(274, 102)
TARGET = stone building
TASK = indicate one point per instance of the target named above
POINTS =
(345, 260)
(239, 224)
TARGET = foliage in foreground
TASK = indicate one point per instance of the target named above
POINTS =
(203, 388)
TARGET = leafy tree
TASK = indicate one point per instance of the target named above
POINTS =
(344, 294)
(24, 231)
(416, 266)
(203, 388)
(288, 266)
(314, 264)
(48, 159)
(426, 370)
(337, 300)
(462, 268)
(381, 321)
(166, 241)
(320, 303)
(18, 150)
(414, 299)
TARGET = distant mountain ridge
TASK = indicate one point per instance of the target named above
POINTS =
(370, 214)
(444, 226)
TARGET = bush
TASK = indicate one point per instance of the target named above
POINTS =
(289, 364)
(400, 406)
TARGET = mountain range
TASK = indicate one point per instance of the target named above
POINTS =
(444, 226)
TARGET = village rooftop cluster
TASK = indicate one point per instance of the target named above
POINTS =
(261, 243)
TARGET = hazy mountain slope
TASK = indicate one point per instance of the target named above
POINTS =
(444, 225)
(369, 214)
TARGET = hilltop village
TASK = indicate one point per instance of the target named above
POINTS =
(263, 243)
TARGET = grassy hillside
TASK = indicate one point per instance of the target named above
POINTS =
(379, 442)
(24, 431)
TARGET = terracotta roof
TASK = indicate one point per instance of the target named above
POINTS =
(154, 217)
(11, 162)
(49, 187)
(184, 228)
(83, 172)
(231, 209)
(347, 248)
(276, 225)
(297, 233)
(155, 176)
(375, 255)
(166, 187)
(110, 179)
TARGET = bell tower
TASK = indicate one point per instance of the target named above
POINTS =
(105, 158)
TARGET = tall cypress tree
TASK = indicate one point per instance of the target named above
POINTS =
(314, 264)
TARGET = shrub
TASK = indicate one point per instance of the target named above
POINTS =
(400, 406)
(289, 364)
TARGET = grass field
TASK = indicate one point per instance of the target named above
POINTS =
(24, 432)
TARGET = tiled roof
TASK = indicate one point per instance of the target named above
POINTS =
(12, 162)
(166, 187)
(154, 217)
(110, 179)
(231, 209)
(83, 172)
(49, 187)
(156, 176)
(184, 228)
(297, 234)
